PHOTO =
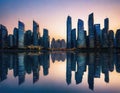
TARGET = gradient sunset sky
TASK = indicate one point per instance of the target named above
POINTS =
(52, 14)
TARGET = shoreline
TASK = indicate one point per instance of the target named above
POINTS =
(64, 50)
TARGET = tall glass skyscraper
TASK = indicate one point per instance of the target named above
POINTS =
(105, 33)
(69, 28)
(118, 38)
(45, 39)
(98, 35)
(111, 38)
(3, 36)
(21, 29)
(106, 25)
(10, 41)
(91, 30)
(36, 33)
(81, 42)
(15, 37)
(73, 38)
(28, 38)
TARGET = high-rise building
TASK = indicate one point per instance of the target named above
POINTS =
(21, 29)
(63, 44)
(45, 39)
(28, 38)
(105, 42)
(53, 43)
(106, 25)
(111, 38)
(98, 35)
(36, 33)
(91, 30)
(69, 28)
(15, 37)
(118, 38)
(3, 36)
(10, 41)
(81, 40)
(73, 38)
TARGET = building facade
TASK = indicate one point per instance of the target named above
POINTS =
(10, 41)
(28, 38)
(3, 36)
(36, 33)
(81, 40)
(73, 38)
(45, 39)
(111, 38)
(15, 37)
(21, 29)
(98, 35)
(69, 28)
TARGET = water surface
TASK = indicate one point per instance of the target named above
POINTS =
(60, 72)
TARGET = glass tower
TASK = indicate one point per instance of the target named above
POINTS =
(69, 28)
(36, 33)
(81, 41)
(21, 29)
(91, 30)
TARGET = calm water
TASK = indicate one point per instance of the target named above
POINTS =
(60, 72)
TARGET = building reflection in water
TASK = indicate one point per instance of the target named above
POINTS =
(97, 63)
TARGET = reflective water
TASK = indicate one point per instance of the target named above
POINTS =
(60, 72)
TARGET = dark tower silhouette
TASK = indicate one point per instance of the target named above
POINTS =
(118, 38)
(10, 41)
(98, 35)
(111, 38)
(105, 42)
(69, 28)
(21, 29)
(3, 36)
(106, 25)
(28, 38)
(73, 38)
(91, 30)
(81, 39)
(46, 38)
(15, 37)
(36, 33)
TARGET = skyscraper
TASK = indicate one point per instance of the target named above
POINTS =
(28, 38)
(98, 35)
(21, 29)
(69, 28)
(15, 37)
(10, 41)
(73, 38)
(45, 39)
(105, 33)
(111, 38)
(3, 36)
(91, 30)
(36, 33)
(81, 41)
(118, 38)
(106, 25)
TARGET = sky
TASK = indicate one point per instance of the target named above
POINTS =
(52, 14)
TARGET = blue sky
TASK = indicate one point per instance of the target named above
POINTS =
(52, 14)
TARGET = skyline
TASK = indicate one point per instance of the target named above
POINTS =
(52, 15)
